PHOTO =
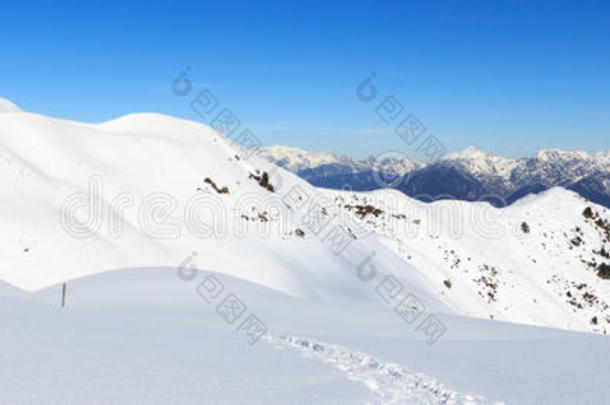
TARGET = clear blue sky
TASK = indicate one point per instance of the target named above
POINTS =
(510, 77)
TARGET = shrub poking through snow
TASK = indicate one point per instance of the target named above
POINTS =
(588, 213)
(224, 190)
(603, 271)
(363, 210)
(263, 181)
(602, 252)
(525, 227)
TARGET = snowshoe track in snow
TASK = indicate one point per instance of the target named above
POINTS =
(389, 382)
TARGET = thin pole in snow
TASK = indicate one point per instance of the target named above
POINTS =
(63, 295)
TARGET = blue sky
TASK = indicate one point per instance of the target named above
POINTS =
(509, 77)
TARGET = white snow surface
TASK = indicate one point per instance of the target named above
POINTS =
(146, 336)
(45, 161)
(534, 262)
(134, 331)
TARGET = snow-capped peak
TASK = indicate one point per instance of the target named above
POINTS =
(469, 152)
(547, 167)
(482, 163)
(391, 163)
(295, 159)
(546, 155)
(603, 159)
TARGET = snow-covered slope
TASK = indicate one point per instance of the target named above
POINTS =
(168, 203)
(540, 261)
(153, 189)
(146, 336)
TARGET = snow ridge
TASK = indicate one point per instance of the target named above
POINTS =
(7, 106)
(541, 263)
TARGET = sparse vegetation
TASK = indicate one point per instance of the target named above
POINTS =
(363, 210)
(602, 252)
(577, 241)
(488, 280)
(525, 227)
(263, 181)
(603, 271)
(262, 216)
(223, 190)
(588, 213)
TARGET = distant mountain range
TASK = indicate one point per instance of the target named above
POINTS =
(468, 175)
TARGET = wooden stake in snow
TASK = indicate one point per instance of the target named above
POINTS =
(63, 295)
